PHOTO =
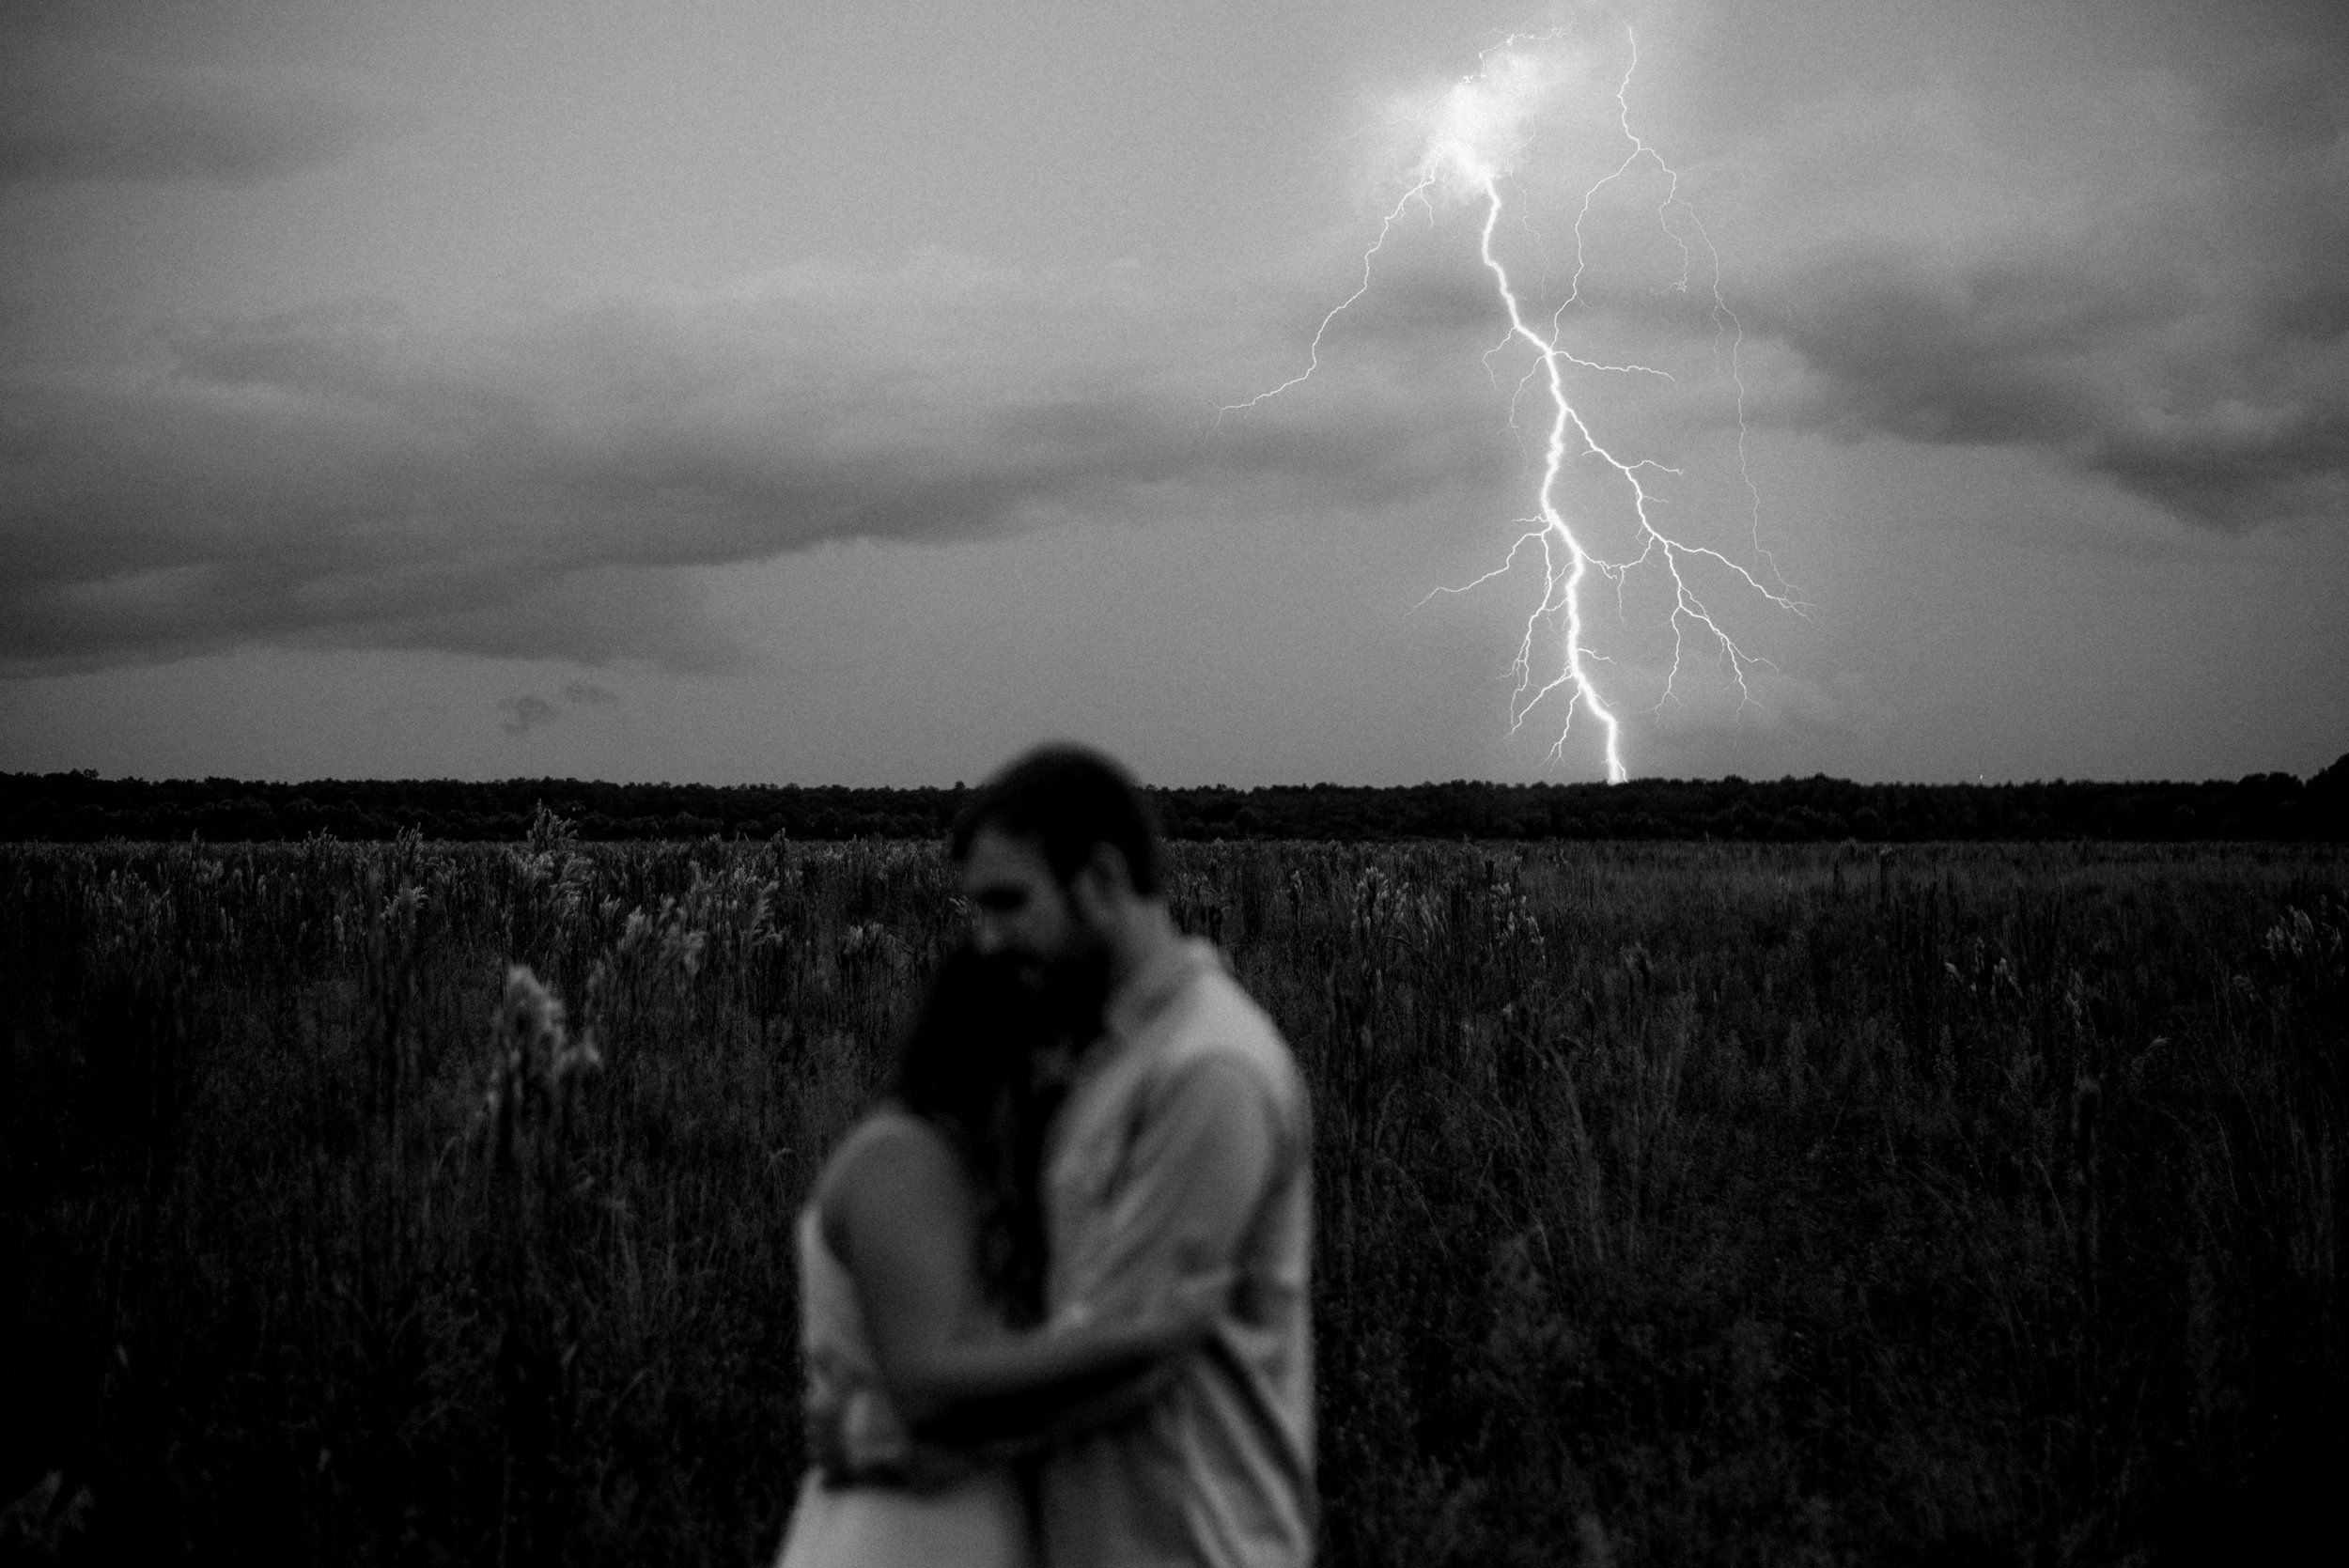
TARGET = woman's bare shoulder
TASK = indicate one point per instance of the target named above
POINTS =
(890, 1158)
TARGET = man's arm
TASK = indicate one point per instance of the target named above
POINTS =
(1011, 1426)
(1192, 1184)
(907, 1224)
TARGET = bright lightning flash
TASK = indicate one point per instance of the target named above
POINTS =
(1476, 134)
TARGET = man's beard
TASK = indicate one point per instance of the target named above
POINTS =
(1076, 985)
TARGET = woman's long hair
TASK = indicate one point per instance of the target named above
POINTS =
(974, 1066)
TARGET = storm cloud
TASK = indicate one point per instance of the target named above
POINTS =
(532, 484)
(526, 710)
(74, 113)
(2149, 289)
(778, 374)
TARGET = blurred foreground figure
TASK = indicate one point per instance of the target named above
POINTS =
(1180, 1154)
(919, 1252)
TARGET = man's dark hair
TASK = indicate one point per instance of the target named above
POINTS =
(1067, 800)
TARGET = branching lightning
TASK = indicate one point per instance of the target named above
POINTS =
(1476, 134)
(1313, 353)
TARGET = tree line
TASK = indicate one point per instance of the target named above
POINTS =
(81, 807)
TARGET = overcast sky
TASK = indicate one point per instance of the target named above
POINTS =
(831, 393)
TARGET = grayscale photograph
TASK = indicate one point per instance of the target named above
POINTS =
(1023, 785)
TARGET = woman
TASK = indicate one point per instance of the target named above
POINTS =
(921, 1249)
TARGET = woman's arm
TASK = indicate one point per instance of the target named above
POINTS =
(900, 1218)
(1015, 1425)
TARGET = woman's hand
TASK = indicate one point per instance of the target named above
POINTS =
(1192, 1303)
(1171, 1320)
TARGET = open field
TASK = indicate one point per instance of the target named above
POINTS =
(1679, 1203)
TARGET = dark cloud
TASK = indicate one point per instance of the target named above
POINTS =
(528, 711)
(2154, 294)
(70, 113)
(2229, 414)
(525, 713)
(543, 484)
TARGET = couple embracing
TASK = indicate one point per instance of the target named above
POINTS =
(1054, 1290)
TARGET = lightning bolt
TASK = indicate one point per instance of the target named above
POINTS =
(1313, 353)
(1481, 127)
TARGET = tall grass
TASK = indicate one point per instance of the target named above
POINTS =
(1677, 1203)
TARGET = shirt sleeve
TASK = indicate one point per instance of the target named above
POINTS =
(1203, 1154)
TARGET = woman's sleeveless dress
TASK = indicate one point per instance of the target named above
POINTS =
(979, 1520)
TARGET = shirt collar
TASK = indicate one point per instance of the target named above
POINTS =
(1132, 1005)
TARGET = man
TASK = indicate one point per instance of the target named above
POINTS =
(1183, 1146)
